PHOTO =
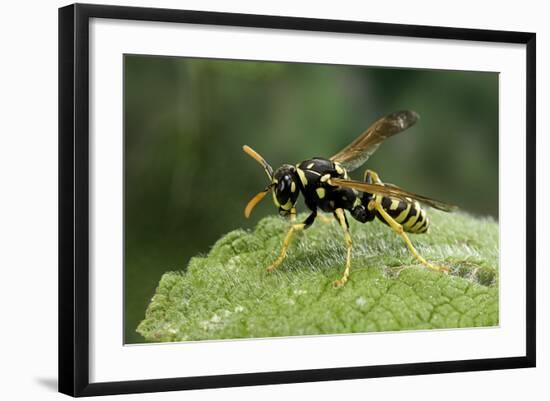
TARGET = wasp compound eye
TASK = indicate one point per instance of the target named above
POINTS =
(283, 187)
(286, 191)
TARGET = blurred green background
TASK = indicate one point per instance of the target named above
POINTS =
(187, 179)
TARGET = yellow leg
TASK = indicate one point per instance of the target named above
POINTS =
(398, 228)
(293, 215)
(286, 243)
(373, 175)
(342, 220)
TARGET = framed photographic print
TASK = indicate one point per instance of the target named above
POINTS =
(250, 199)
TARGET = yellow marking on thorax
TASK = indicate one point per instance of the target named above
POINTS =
(320, 192)
(293, 187)
(325, 178)
(310, 165)
(339, 168)
(302, 176)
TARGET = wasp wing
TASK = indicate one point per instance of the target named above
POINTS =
(391, 191)
(356, 153)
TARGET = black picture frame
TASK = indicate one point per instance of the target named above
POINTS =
(74, 198)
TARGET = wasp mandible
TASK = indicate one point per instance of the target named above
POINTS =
(325, 185)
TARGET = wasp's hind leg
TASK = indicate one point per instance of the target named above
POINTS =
(288, 239)
(359, 210)
(398, 228)
(371, 177)
(341, 217)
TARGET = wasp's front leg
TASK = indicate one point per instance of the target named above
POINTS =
(288, 239)
(293, 215)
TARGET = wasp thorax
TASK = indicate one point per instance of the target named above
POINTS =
(285, 188)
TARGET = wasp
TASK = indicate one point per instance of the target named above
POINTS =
(325, 185)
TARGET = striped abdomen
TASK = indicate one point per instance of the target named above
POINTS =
(409, 214)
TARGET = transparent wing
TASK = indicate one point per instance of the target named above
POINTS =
(392, 191)
(357, 153)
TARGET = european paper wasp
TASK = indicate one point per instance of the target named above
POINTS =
(325, 185)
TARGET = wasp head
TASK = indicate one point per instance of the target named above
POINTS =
(283, 184)
(285, 188)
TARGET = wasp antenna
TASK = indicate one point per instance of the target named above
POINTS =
(256, 156)
(254, 201)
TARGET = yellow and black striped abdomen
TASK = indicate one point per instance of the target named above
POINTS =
(409, 214)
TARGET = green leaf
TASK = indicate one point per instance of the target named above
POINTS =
(229, 294)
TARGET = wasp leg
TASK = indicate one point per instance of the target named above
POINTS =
(293, 215)
(371, 177)
(341, 217)
(288, 239)
(398, 228)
